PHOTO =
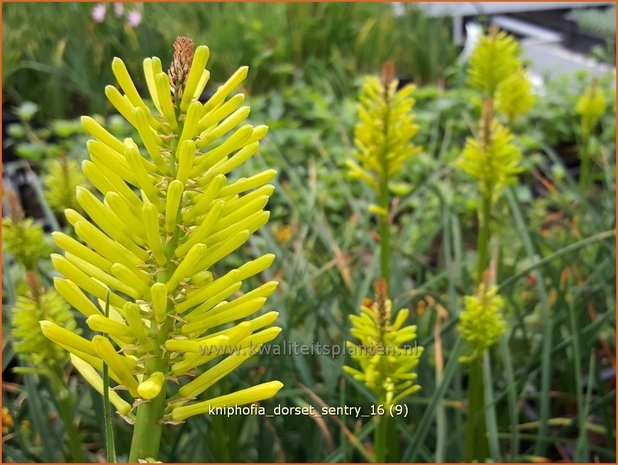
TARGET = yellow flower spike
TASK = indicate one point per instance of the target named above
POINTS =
(174, 196)
(213, 117)
(158, 294)
(79, 250)
(151, 387)
(122, 208)
(151, 140)
(150, 216)
(189, 129)
(195, 74)
(590, 107)
(113, 328)
(202, 231)
(386, 367)
(133, 278)
(245, 396)
(156, 240)
(188, 266)
(149, 75)
(82, 280)
(106, 351)
(185, 156)
(73, 295)
(245, 184)
(205, 201)
(121, 103)
(481, 323)
(223, 91)
(227, 125)
(93, 378)
(103, 135)
(198, 347)
(133, 317)
(165, 99)
(492, 159)
(210, 290)
(136, 164)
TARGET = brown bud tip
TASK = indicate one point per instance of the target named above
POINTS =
(388, 73)
(181, 63)
(381, 298)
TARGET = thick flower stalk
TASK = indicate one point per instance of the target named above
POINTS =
(155, 245)
(383, 138)
(590, 107)
(61, 179)
(387, 362)
(494, 161)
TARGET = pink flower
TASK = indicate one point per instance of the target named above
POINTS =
(134, 18)
(98, 12)
(118, 9)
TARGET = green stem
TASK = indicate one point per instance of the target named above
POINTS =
(483, 237)
(147, 433)
(584, 169)
(385, 234)
(380, 439)
(475, 444)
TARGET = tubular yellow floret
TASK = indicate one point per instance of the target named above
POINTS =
(73, 295)
(165, 99)
(245, 396)
(223, 91)
(195, 74)
(185, 155)
(158, 293)
(213, 117)
(150, 215)
(151, 387)
(188, 266)
(93, 378)
(174, 196)
(117, 363)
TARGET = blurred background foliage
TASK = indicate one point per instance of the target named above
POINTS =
(323, 44)
(306, 63)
